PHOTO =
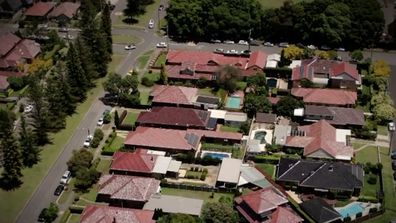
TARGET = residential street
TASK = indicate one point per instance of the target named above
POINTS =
(44, 193)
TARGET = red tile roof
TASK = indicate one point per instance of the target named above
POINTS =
(106, 214)
(263, 200)
(258, 59)
(174, 116)
(25, 49)
(320, 136)
(7, 42)
(174, 94)
(274, 100)
(162, 139)
(285, 215)
(140, 162)
(69, 9)
(333, 68)
(132, 188)
(325, 96)
(40, 9)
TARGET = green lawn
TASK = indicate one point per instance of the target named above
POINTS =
(32, 177)
(131, 118)
(370, 189)
(241, 85)
(74, 218)
(89, 196)
(126, 39)
(66, 193)
(195, 194)
(382, 130)
(104, 165)
(144, 94)
(193, 173)
(152, 76)
(357, 145)
(160, 60)
(206, 91)
(368, 154)
(143, 59)
(225, 128)
(116, 60)
(268, 168)
(115, 145)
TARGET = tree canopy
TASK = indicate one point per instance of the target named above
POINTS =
(286, 106)
(216, 212)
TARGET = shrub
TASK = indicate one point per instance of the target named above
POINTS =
(368, 199)
(86, 178)
(76, 209)
(192, 168)
(126, 127)
(373, 210)
(17, 83)
(358, 215)
(203, 176)
(147, 82)
(347, 218)
(107, 118)
(196, 169)
(372, 180)
(98, 134)
(123, 115)
(205, 170)
(95, 142)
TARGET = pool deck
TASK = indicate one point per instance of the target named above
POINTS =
(364, 206)
(268, 136)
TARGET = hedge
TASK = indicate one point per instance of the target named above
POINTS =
(368, 199)
(123, 116)
(74, 209)
(127, 127)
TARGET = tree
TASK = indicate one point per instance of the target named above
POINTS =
(292, 52)
(227, 78)
(322, 54)
(12, 162)
(112, 84)
(81, 159)
(286, 106)
(86, 60)
(163, 75)
(6, 122)
(258, 84)
(134, 8)
(384, 112)
(76, 76)
(356, 55)
(105, 26)
(30, 151)
(218, 213)
(85, 178)
(381, 68)
(116, 119)
(178, 218)
(49, 214)
(256, 103)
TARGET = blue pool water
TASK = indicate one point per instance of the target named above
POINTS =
(260, 135)
(233, 102)
(350, 210)
(217, 155)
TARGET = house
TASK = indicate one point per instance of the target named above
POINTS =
(321, 140)
(126, 191)
(168, 140)
(106, 214)
(65, 11)
(228, 117)
(336, 74)
(265, 118)
(323, 178)
(229, 173)
(39, 10)
(325, 96)
(164, 95)
(174, 204)
(143, 162)
(320, 211)
(193, 65)
(175, 118)
(336, 116)
(266, 205)
(9, 7)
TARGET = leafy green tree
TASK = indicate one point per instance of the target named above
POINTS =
(256, 103)
(12, 162)
(384, 112)
(85, 178)
(227, 78)
(116, 118)
(218, 213)
(287, 104)
(76, 76)
(113, 83)
(7, 118)
(258, 84)
(134, 8)
(50, 214)
(178, 218)
(30, 151)
(356, 55)
(381, 68)
(81, 159)
(105, 26)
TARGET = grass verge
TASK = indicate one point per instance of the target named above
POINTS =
(126, 39)
(143, 59)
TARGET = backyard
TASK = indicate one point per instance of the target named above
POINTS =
(267, 168)
(131, 118)
(204, 195)
(226, 128)
(237, 152)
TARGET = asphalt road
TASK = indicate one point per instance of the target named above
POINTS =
(44, 193)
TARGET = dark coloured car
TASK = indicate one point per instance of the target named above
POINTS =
(112, 7)
(393, 155)
(394, 164)
(41, 216)
(394, 175)
(59, 189)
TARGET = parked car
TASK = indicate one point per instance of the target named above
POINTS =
(161, 45)
(65, 177)
(161, 7)
(391, 126)
(130, 47)
(41, 216)
(393, 155)
(59, 189)
(233, 52)
(311, 47)
(341, 49)
(325, 48)
(254, 42)
(394, 164)
(229, 42)
(243, 42)
(28, 109)
(215, 41)
(268, 44)
(151, 23)
(219, 50)
(100, 121)
(87, 142)
(246, 52)
(283, 45)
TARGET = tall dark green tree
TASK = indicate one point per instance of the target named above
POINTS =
(6, 121)
(134, 8)
(12, 165)
(85, 58)
(76, 76)
(105, 26)
(30, 151)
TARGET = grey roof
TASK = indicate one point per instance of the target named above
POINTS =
(336, 115)
(174, 204)
(208, 99)
(280, 133)
(229, 170)
(235, 117)
(253, 176)
(174, 166)
(320, 175)
(161, 164)
(320, 211)
(265, 118)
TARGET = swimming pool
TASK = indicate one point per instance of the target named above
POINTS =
(350, 210)
(260, 135)
(216, 155)
(233, 102)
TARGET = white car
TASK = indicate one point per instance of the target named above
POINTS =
(268, 44)
(65, 177)
(243, 42)
(100, 121)
(151, 24)
(219, 50)
(161, 45)
(341, 49)
(283, 45)
(311, 47)
(28, 109)
(87, 142)
(229, 42)
(391, 126)
(215, 41)
(130, 47)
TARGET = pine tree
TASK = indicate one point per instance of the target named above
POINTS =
(86, 60)
(30, 151)
(163, 75)
(116, 119)
(106, 27)
(76, 76)
(12, 165)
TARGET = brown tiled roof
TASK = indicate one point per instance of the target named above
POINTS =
(325, 96)
(69, 9)
(339, 115)
(106, 214)
(140, 162)
(132, 188)
(25, 49)
(285, 215)
(162, 138)
(173, 94)
(7, 42)
(40, 9)
(262, 200)
(175, 116)
(319, 136)
(265, 118)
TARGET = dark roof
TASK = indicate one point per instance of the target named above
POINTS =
(321, 175)
(336, 115)
(13, 5)
(320, 211)
(207, 99)
(175, 116)
(265, 118)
